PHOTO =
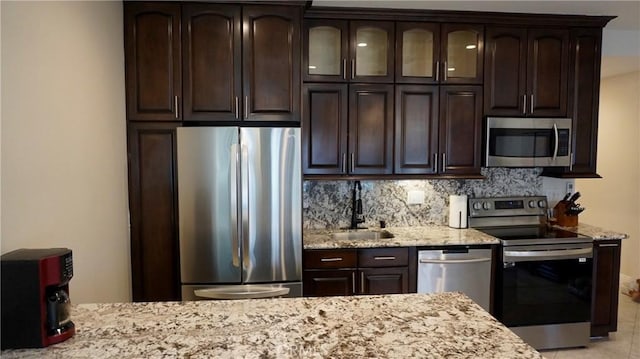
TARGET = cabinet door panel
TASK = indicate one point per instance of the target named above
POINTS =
(324, 129)
(585, 91)
(606, 271)
(384, 280)
(547, 76)
(371, 129)
(212, 62)
(372, 48)
(152, 203)
(416, 123)
(505, 71)
(417, 52)
(460, 129)
(321, 283)
(271, 58)
(462, 46)
(325, 50)
(153, 77)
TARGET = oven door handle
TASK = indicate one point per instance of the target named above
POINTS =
(523, 256)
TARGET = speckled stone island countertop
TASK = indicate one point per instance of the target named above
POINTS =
(434, 235)
(444, 325)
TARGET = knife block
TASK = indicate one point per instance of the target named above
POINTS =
(563, 219)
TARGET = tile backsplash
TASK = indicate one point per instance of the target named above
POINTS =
(327, 204)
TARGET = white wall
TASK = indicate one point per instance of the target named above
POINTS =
(614, 201)
(63, 142)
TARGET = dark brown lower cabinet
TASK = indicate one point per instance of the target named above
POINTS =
(330, 272)
(155, 265)
(606, 278)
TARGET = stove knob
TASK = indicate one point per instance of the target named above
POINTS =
(532, 204)
(486, 205)
(477, 206)
(542, 203)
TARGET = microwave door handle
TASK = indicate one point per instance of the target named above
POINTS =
(555, 150)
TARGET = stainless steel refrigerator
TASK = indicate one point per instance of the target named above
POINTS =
(239, 208)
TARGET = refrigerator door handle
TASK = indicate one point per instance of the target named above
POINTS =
(245, 195)
(242, 292)
(235, 178)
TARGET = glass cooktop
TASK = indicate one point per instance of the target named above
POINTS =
(527, 235)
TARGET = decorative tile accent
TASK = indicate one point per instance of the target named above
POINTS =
(327, 204)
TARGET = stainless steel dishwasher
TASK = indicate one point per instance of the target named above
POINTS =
(456, 269)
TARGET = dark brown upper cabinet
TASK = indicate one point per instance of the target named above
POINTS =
(271, 62)
(526, 72)
(584, 91)
(416, 129)
(348, 51)
(324, 128)
(212, 70)
(153, 61)
(429, 53)
(238, 63)
(437, 130)
(370, 129)
(347, 129)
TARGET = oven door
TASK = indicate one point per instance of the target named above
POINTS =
(546, 284)
(528, 142)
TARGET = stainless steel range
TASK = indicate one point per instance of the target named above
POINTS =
(544, 288)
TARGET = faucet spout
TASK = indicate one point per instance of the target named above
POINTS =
(357, 215)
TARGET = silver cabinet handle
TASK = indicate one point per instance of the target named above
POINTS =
(385, 258)
(353, 282)
(524, 104)
(334, 259)
(362, 282)
(446, 71)
(344, 162)
(608, 245)
(437, 71)
(435, 162)
(353, 162)
(444, 162)
(531, 105)
(237, 107)
(344, 68)
(353, 68)
(246, 107)
(571, 162)
(455, 261)
(175, 103)
(555, 149)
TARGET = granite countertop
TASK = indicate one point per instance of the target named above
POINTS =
(444, 325)
(594, 232)
(434, 235)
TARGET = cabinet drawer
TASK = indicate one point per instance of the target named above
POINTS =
(383, 257)
(330, 258)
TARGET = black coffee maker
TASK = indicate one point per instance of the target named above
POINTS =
(35, 297)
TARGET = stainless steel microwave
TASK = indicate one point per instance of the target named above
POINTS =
(528, 142)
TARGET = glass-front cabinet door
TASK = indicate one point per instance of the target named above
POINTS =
(326, 53)
(372, 48)
(462, 46)
(417, 52)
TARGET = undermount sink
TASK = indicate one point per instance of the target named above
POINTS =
(362, 235)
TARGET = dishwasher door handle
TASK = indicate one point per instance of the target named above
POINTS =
(455, 261)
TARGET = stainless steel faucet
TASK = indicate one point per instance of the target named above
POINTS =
(356, 206)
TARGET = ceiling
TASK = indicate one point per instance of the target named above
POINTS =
(626, 25)
(627, 12)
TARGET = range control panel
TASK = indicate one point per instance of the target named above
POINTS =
(508, 206)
